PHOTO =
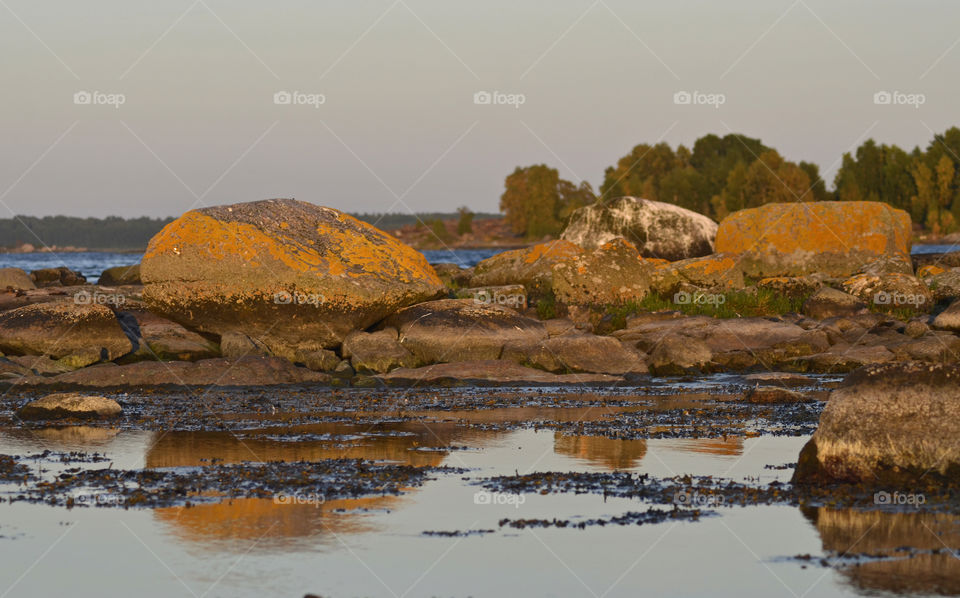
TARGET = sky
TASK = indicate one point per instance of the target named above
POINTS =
(133, 107)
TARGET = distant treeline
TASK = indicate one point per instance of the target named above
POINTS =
(121, 234)
(394, 221)
(111, 232)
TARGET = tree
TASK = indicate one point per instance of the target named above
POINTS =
(465, 224)
(769, 179)
(537, 202)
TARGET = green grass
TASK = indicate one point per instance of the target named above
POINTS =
(735, 304)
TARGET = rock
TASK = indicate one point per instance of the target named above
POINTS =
(579, 353)
(15, 279)
(829, 302)
(67, 404)
(846, 358)
(775, 394)
(657, 229)
(289, 273)
(377, 352)
(888, 264)
(513, 296)
(948, 319)
(735, 344)
(453, 275)
(937, 347)
(929, 271)
(945, 286)
(57, 277)
(830, 237)
(489, 373)
(612, 274)
(154, 337)
(344, 370)
(677, 354)
(717, 272)
(890, 291)
(245, 371)
(63, 330)
(120, 275)
(451, 330)
(237, 345)
(888, 425)
(916, 328)
(531, 267)
(560, 327)
(780, 379)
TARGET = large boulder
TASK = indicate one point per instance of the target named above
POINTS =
(16, 279)
(836, 238)
(889, 424)
(85, 333)
(659, 230)
(289, 273)
(451, 330)
(531, 267)
(612, 274)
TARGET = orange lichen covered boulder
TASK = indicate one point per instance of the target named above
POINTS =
(831, 237)
(531, 266)
(286, 272)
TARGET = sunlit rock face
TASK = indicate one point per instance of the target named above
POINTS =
(659, 230)
(289, 273)
(907, 552)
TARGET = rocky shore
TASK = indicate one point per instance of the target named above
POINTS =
(286, 292)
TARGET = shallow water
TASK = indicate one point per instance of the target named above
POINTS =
(376, 546)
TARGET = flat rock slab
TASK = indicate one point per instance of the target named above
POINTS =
(70, 405)
(488, 372)
(246, 371)
(775, 394)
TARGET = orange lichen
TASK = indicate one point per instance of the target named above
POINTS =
(930, 270)
(554, 250)
(827, 226)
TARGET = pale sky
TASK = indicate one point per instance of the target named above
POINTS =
(399, 129)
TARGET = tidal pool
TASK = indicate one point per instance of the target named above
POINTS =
(446, 536)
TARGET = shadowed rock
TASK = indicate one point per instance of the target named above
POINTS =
(897, 424)
(16, 279)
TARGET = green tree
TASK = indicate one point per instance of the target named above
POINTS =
(769, 179)
(537, 202)
(465, 223)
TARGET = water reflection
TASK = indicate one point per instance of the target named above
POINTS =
(611, 453)
(268, 521)
(934, 569)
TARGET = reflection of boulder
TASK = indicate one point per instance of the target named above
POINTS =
(729, 446)
(878, 533)
(612, 453)
(396, 444)
(270, 522)
(64, 437)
